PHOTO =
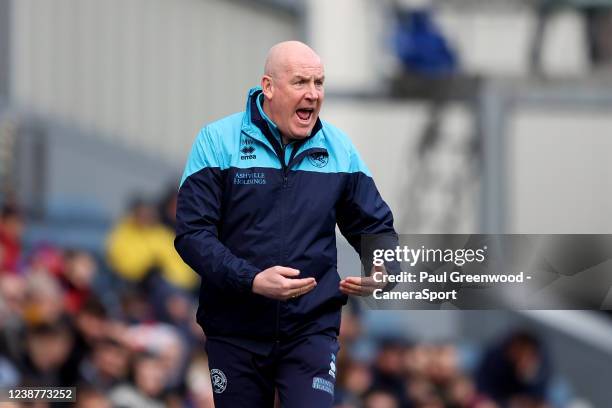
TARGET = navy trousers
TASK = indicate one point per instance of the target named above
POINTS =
(303, 370)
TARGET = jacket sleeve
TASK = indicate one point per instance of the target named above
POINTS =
(363, 217)
(198, 215)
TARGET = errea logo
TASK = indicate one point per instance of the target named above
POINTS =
(247, 149)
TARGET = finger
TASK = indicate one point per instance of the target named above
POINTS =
(351, 286)
(301, 291)
(356, 280)
(359, 289)
(287, 272)
(367, 282)
(304, 289)
(350, 292)
(299, 283)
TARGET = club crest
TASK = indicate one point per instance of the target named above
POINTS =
(218, 380)
(319, 159)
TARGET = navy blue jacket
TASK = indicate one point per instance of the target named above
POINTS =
(247, 203)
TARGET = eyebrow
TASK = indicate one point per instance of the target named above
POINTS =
(321, 78)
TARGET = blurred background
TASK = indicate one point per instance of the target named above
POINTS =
(489, 116)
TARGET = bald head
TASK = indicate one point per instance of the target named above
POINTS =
(284, 55)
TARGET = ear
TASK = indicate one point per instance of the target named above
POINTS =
(266, 85)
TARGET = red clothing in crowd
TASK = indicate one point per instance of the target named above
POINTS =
(10, 253)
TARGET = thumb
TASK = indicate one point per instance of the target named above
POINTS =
(288, 272)
(379, 268)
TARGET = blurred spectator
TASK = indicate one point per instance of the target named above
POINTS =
(44, 294)
(388, 371)
(516, 367)
(46, 258)
(165, 342)
(12, 299)
(91, 325)
(135, 307)
(444, 366)
(77, 278)
(107, 366)
(462, 393)
(139, 247)
(13, 291)
(350, 325)
(354, 380)
(184, 277)
(147, 385)
(422, 392)
(198, 382)
(132, 242)
(11, 233)
(421, 45)
(380, 398)
(179, 309)
(87, 397)
(167, 207)
(46, 359)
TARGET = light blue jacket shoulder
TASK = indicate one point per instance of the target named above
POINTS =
(218, 144)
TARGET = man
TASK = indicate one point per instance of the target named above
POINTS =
(257, 209)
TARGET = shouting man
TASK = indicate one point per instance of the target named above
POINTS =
(259, 201)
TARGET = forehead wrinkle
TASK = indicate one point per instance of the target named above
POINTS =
(306, 71)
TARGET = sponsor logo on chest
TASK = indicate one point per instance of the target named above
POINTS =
(249, 178)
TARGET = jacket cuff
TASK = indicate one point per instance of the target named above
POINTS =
(246, 277)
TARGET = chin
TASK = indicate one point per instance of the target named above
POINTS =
(302, 133)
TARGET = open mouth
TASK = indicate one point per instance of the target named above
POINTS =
(304, 114)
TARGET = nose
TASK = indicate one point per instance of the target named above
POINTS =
(312, 93)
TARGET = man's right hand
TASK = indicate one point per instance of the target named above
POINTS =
(281, 283)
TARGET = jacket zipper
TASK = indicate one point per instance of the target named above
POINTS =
(284, 171)
(282, 247)
(285, 167)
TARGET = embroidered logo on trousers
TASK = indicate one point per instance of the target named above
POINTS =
(218, 380)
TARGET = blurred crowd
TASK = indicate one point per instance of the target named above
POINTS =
(512, 372)
(120, 326)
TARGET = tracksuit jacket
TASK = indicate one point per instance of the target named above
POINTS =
(246, 203)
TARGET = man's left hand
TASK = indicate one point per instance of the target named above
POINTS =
(362, 286)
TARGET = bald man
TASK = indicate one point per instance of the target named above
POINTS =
(261, 195)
